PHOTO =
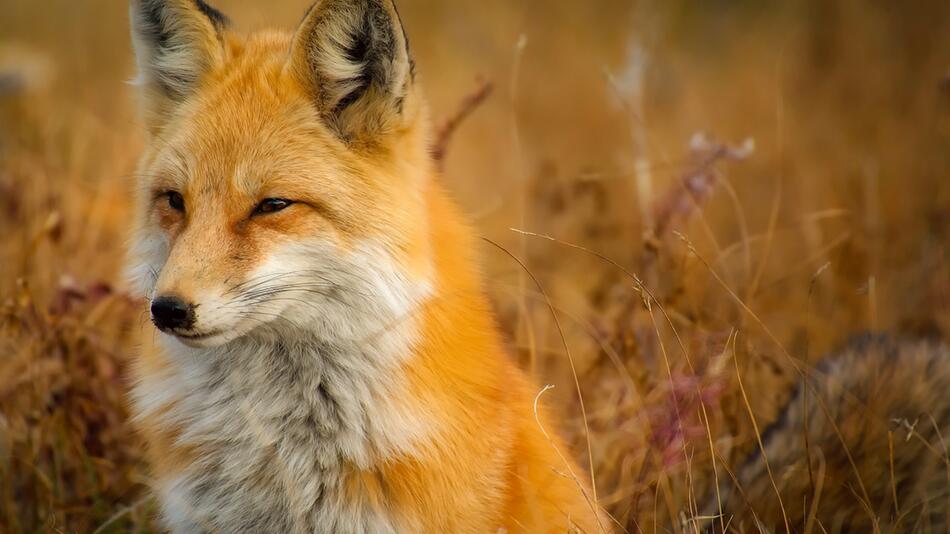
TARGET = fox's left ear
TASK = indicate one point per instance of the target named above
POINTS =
(177, 43)
(353, 56)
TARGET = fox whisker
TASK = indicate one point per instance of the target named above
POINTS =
(257, 281)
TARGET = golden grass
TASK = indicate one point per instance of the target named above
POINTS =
(837, 222)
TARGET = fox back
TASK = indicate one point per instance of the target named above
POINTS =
(327, 360)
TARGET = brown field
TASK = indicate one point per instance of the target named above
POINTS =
(744, 185)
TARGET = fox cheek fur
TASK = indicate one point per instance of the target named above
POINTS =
(329, 363)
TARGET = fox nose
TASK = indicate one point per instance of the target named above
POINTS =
(171, 312)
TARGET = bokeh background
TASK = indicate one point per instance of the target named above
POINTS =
(729, 185)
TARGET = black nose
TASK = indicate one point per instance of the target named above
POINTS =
(172, 312)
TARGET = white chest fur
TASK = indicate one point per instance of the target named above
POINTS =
(277, 426)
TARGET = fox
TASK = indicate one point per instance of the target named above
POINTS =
(861, 446)
(323, 356)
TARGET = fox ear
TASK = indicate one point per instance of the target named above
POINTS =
(176, 43)
(354, 58)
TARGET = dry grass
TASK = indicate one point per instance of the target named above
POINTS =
(679, 268)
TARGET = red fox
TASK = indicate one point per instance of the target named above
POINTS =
(862, 448)
(327, 360)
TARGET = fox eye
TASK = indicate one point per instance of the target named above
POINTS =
(175, 200)
(271, 205)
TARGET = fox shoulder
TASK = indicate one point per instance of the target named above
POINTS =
(860, 445)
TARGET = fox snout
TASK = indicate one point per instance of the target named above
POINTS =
(172, 313)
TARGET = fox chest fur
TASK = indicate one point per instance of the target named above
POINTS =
(274, 432)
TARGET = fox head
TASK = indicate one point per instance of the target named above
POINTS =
(283, 184)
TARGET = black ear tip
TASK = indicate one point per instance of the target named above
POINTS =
(217, 18)
(153, 12)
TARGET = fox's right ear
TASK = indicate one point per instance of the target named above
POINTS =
(177, 42)
(353, 57)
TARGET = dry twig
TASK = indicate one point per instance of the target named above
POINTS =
(447, 128)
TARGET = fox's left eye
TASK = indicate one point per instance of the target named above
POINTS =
(271, 205)
(175, 200)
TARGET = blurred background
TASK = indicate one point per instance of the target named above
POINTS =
(724, 185)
